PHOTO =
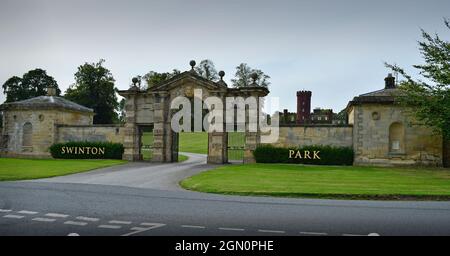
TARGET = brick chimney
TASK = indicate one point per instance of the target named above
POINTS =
(389, 82)
(303, 107)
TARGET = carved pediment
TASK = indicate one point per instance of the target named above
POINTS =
(188, 78)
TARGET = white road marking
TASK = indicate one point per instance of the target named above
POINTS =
(151, 224)
(5, 210)
(73, 234)
(27, 212)
(57, 215)
(76, 223)
(137, 230)
(232, 229)
(44, 219)
(271, 231)
(120, 222)
(87, 218)
(373, 234)
(314, 233)
(110, 226)
(13, 216)
(191, 226)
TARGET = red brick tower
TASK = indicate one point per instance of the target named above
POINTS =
(303, 107)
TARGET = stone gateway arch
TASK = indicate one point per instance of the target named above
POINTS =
(152, 108)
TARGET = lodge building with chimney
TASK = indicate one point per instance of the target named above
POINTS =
(380, 131)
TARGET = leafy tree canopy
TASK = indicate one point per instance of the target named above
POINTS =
(207, 70)
(243, 76)
(122, 113)
(32, 84)
(430, 97)
(153, 78)
(94, 88)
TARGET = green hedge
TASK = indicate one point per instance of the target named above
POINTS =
(110, 150)
(328, 155)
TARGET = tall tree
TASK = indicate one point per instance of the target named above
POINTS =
(429, 97)
(14, 91)
(34, 83)
(122, 113)
(243, 76)
(153, 78)
(38, 81)
(207, 70)
(262, 79)
(94, 88)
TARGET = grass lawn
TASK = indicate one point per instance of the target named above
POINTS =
(324, 181)
(147, 155)
(22, 169)
(197, 142)
(192, 142)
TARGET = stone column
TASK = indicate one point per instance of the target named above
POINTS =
(169, 134)
(218, 141)
(131, 132)
(159, 129)
(217, 148)
(252, 138)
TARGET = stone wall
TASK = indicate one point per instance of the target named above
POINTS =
(145, 111)
(104, 133)
(293, 136)
(43, 123)
(371, 141)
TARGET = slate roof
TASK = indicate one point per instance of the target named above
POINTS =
(384, 96)
(46, 102)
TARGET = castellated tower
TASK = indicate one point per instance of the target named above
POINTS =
(303, 107)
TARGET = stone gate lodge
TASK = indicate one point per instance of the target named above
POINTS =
(379, 130)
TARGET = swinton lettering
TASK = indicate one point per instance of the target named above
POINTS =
(83, 150)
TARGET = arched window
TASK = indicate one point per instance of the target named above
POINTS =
(27, 135)
(396, 138)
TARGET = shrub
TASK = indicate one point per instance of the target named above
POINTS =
(328, 155)
(109, 150)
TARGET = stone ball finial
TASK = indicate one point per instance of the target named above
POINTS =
(192, 63)
(221, 74)
(135, 80)
(51, 91)
(254, 76)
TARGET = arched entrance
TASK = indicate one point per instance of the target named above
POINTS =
(154, 107)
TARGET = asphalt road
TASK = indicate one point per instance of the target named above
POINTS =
(86, 204)
(141, 174)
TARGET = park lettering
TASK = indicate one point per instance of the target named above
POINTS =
(306, 154)
(83, 150)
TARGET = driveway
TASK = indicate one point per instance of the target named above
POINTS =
(140, 174)
(145, 199)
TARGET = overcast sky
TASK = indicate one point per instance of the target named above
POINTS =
(336, 49)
